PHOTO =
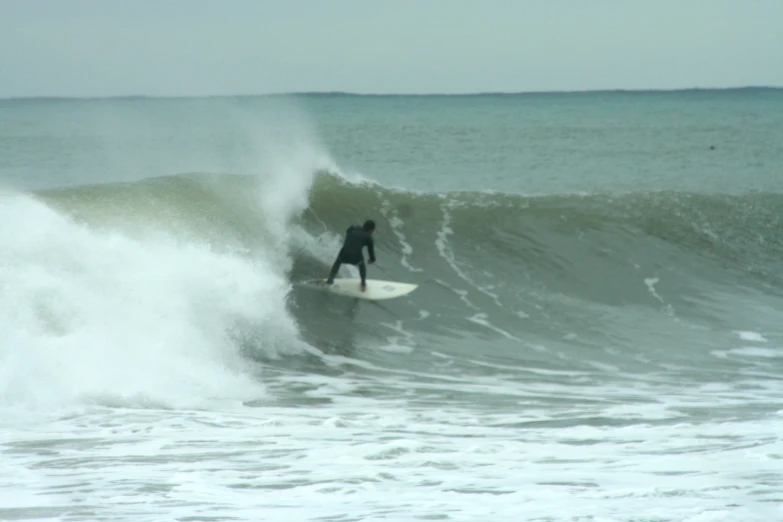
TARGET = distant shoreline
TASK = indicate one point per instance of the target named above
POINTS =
(391, 95)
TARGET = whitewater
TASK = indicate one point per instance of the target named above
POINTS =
(596, 334)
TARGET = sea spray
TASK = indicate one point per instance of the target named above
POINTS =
(153, 292)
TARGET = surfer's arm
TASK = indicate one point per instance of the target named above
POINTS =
(371, 250)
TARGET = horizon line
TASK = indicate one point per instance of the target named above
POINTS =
(390, 94)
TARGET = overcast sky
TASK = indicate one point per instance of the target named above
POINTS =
(217, 47)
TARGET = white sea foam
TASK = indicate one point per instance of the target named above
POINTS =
(397, 229)
(96, 316)
(340, 460)
(751, 336)
(650, 282)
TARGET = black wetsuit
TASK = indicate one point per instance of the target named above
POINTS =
(356, 238)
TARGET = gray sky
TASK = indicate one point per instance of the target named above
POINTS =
(212, 47)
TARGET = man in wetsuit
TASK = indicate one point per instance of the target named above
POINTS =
(356, 238)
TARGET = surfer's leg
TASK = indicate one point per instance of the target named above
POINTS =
(363, 272)
(335, 268)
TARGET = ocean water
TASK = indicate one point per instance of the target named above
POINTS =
(597, 334)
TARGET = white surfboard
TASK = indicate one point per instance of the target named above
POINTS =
(376, 289)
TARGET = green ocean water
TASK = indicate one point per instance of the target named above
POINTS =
(598, 317)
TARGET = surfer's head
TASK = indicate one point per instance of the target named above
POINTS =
(369, 225)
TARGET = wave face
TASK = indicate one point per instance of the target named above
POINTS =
(586, 266)
(196, 270)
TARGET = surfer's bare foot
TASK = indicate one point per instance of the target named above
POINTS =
(364, 287)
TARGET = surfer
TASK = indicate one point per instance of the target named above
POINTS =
(356, 238)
